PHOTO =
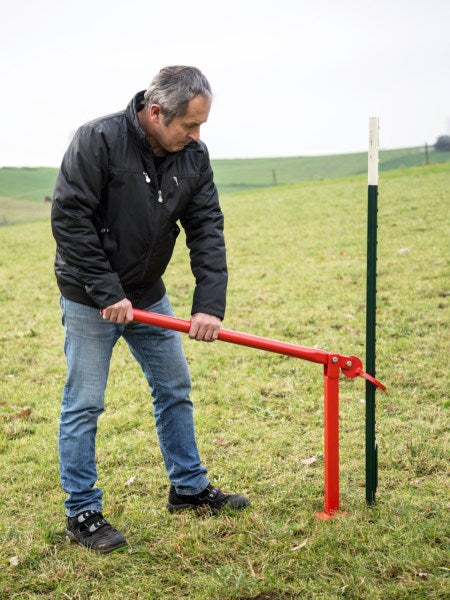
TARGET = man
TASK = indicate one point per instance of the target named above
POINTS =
(125, 181)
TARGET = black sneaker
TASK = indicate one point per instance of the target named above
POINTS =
(210, 497)
(90, 529)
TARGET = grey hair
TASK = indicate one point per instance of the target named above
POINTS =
(174, 87)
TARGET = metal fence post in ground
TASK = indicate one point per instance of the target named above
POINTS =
(371, 294)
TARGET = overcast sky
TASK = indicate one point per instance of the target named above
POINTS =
(290, 77)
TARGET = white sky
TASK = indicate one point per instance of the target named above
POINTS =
(290, 77)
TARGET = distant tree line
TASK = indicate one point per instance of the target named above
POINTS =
(443, 143)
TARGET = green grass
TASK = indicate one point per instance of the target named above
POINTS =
(22, 193)
(230, 175)
(297, 272)
(27, 183)
(14, 210)
(241, 174)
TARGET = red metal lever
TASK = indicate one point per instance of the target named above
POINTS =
(235, 337)
(351, 366)
(375, 382)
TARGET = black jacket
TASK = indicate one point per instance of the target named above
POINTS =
(114, 218)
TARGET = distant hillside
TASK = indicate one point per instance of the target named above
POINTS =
(27, 183)
(238, 174)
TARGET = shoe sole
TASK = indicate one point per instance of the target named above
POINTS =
(178, 507)
(118, 548)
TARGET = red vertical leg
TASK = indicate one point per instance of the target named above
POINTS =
(331, 438)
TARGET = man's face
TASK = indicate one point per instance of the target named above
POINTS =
(181, 130)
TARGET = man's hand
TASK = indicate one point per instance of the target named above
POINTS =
(204, 328)
(120, 312)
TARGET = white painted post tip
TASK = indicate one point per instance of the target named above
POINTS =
(373, 151)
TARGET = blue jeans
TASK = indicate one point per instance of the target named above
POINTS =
(89, 341)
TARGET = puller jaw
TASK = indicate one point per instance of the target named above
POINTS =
(351, 367)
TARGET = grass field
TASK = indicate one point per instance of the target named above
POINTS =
(297, 272)
(241, 174)
(27, 184)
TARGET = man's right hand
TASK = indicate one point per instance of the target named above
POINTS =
(120, 312)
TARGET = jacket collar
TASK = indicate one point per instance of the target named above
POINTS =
(136, 104)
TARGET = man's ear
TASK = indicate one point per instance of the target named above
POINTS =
(155, 113)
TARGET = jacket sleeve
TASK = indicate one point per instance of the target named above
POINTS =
(203, 222)
(76, 198)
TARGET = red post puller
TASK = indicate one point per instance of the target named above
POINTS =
(350, 366)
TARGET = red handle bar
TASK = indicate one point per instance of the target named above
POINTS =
(351, 365)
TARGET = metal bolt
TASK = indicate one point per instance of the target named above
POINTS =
(349, 363)
(334, 359)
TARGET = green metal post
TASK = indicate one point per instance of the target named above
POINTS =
(371, 292)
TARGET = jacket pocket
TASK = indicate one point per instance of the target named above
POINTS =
(133, 180)
(184, 179)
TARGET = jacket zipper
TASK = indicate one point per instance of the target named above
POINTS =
(160, 200)
(150, 250)
(148, 180)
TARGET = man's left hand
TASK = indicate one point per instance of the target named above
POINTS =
(204, 328)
